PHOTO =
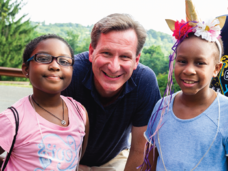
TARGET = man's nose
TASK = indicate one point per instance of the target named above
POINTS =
(114, 64)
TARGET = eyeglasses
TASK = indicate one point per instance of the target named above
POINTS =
(47, 59)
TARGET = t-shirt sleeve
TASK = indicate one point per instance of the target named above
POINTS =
(81, 108)
(83, 111)
(7, 128)
(150, 129)
(148, 95)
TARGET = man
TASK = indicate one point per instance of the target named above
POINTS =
(118, 93)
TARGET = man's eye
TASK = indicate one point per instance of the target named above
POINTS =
(106, 53)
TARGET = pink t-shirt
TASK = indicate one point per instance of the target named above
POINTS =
(60, 147)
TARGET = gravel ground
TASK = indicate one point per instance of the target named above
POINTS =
(10, 94)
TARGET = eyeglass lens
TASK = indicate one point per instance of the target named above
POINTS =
(61, 60)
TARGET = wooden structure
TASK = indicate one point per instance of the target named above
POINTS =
(12, 72)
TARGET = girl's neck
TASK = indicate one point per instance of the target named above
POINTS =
(199, 98)
(189, 106)
(47, 100)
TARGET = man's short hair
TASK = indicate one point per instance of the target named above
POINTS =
(118, 22)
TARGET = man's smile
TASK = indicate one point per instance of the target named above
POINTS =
(111, 76)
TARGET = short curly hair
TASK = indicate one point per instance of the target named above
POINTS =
(30, 47)
(118, 22)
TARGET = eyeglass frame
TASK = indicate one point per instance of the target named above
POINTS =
(53, 57)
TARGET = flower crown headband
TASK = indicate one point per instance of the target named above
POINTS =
(209, 31)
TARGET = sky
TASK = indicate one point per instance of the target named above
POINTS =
(150, 13)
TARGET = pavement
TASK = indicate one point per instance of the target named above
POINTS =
(10, 94)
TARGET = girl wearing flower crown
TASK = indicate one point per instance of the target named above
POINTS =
(188, 129)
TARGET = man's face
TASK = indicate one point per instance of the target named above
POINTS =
(113, 61)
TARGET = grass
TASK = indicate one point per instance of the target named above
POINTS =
(15, 85)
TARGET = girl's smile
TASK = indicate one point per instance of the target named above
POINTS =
(187, 83)
(195, 65)
(51, 77)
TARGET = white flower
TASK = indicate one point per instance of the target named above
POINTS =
(209, 31)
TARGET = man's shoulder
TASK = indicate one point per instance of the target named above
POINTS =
(143, 71)
(143, 74)
(81, 58)
(81, 62)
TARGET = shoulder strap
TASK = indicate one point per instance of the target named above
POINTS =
(16, 116)
(77, 108)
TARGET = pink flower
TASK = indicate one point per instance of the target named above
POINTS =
(181, 28)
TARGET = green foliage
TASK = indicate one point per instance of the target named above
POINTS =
(73, 41)
(14, 34)
(84, 46)
(63, 30)
(154, 58)
(162, 83)
(157, 38)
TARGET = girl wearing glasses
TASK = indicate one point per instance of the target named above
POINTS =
(51, 127)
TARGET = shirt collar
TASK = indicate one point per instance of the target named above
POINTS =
(129, 86)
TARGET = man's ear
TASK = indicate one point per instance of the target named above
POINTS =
(91, 50)
(25, 70)
(218, 66)
(137, 61)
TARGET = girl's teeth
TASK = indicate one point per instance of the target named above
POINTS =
(189, 82)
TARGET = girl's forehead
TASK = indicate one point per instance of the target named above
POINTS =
(196, 46)
(52, 45)
(51, 42)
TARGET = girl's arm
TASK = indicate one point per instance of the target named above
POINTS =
(152, 160)
(85, 140)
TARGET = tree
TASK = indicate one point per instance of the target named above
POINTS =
(162, 83)
(14, 34)
(154, 58)
(77, 46)
(84, 46)
(72, 39)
